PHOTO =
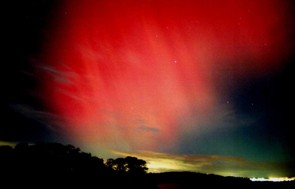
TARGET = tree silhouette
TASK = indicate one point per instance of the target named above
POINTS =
(135, 165)
(65, 165)
(56, 160)
(129, 164)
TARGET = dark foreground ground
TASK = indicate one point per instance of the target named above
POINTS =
(59, 166)
(187, 180)
(179, 180)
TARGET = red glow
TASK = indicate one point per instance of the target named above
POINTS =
(129, 69)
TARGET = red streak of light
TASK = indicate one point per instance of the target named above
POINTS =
(131, 68)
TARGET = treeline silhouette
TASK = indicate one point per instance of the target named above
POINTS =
(54, 165)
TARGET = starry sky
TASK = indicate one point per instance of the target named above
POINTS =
(187, 85)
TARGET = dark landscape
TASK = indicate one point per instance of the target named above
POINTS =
(56, 165)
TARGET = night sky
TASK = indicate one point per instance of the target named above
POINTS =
(190, 85)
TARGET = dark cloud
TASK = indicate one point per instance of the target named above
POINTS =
(142, 126)
(148, 129)
(21, 124)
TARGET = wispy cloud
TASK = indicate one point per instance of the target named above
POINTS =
(50, 120)
(143, 126)
(58, 75)
(209, 164)
(148, 129)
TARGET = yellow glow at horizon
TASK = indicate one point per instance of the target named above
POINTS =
(210, 164)
(164, 165)
(5, 143)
